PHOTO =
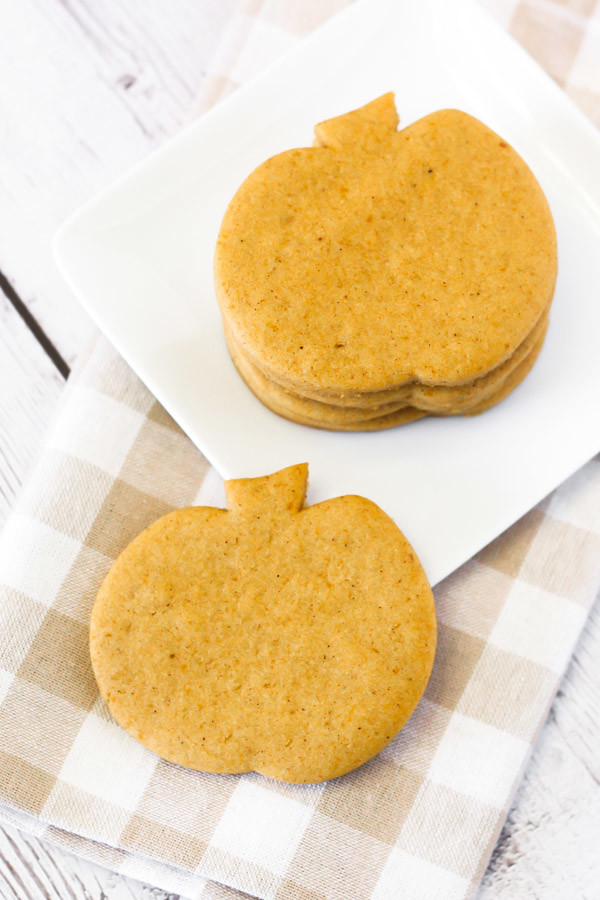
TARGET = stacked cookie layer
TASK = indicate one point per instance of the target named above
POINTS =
(384, 275)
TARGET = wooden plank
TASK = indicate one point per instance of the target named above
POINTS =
(86, 90)
(549, 844)
(31, 388)
(33, 325)
(31, 869)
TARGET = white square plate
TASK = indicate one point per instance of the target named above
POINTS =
(140, 259)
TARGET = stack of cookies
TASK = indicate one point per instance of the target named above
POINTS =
(384, 275)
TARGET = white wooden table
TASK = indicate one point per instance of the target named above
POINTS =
(87, 88)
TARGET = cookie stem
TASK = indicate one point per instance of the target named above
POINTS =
(283, 491)
(375, 120)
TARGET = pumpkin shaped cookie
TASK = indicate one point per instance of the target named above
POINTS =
(293, 642)
(379, 258)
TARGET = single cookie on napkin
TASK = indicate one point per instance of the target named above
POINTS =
(293, 642)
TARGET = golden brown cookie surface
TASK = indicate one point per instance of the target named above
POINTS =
(412, 398)
(294, 642)
(512, 381)
(299, 408)
(382, 257)
(303, 415)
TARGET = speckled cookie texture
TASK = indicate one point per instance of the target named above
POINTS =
(384, 266)
(440, 398)
(319, 415)
(433, 401)
(290, 641)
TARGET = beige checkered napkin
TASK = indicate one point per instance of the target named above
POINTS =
(417, 822)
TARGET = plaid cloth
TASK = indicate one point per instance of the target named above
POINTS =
(418, 821)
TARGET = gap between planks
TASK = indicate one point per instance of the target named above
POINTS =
(34, 326)
(86, 90)
(31, 386)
